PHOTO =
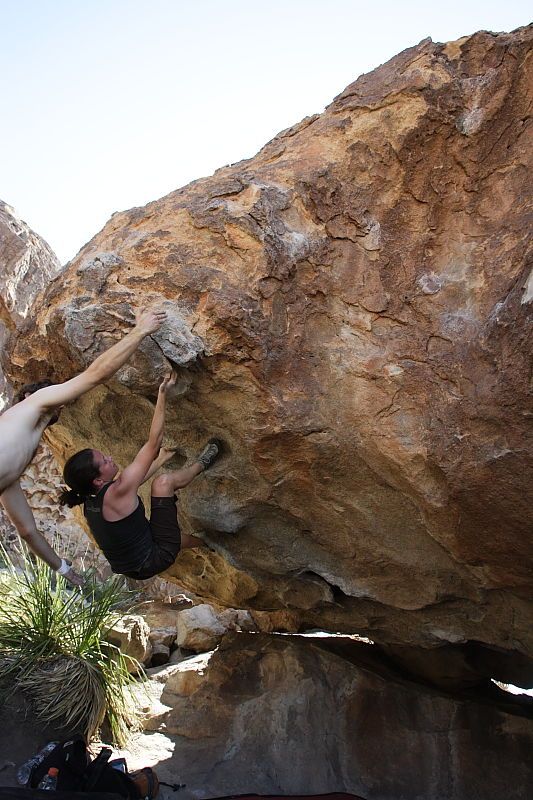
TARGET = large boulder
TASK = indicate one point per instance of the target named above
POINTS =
(349, 312)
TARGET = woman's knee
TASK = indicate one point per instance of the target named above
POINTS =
(162, 486)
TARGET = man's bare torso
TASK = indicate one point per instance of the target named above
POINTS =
(21, 428)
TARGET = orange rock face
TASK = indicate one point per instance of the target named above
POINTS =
(349, 313)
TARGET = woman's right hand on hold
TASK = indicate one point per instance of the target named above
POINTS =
(168, 382)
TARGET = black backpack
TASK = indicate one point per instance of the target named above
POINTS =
(78, 773)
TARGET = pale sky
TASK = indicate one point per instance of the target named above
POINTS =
(108, 104)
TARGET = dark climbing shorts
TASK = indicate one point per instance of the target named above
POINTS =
(166, 538)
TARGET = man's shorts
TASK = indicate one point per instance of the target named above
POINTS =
(166, 539)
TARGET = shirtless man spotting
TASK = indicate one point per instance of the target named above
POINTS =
(22, 425)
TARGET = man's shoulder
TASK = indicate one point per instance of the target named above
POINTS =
(24, 411)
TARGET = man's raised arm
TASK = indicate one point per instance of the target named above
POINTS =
(103, 367)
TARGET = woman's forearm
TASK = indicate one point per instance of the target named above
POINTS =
(153, 469)
(157, 427)
(155, 438)
(165, 454)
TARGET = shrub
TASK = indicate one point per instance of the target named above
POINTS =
(52, 646)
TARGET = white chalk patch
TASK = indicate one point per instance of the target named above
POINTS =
(528, 289)
(296, 243)
(430, 283)
(393, 369)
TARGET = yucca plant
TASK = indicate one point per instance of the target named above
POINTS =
(52, 646)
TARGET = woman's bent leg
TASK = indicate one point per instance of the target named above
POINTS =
(165, 485)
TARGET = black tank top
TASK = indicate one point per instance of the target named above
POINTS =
(126, 543)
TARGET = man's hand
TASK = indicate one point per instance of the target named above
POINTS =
(168, 382)
(73, 578)
(149, 320)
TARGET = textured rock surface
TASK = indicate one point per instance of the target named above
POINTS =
(200, 628)
(131, 634)
(349, 314)
(27, 264)
(274, 714)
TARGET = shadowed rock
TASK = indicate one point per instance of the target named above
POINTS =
(275, 715)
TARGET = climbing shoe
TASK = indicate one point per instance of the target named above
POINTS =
(210, 453)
